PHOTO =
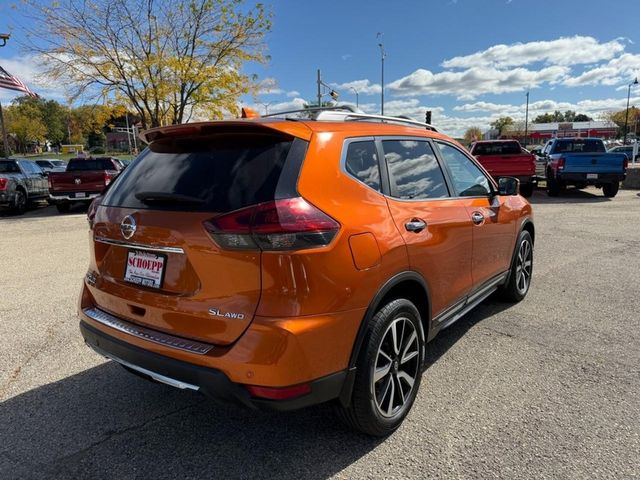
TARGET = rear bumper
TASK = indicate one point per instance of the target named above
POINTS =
(209, 381)
(570, 177)
(70, 197)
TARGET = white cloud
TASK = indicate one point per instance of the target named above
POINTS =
(364, 87)
(293, 94)
(475, 81)
(269, 86)
(562, 51)
(620, 69)
(29, 70)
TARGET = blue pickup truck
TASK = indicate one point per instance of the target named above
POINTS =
(581, 162)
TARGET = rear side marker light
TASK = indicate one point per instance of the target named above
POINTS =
(287, 224)
(270, 393)
(3, 184)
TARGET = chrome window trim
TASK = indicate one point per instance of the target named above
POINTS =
(154, 336)
(138, 246)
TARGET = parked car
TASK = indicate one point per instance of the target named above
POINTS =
(83, 180)
(627, 150)
(50, 165)
(502, 158)
(581, 162)
(280, 264)
(21, 181)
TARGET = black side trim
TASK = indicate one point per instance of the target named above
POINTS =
(213, 383)
(526, 222)
(345, 394)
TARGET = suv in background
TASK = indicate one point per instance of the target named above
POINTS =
(21, 181)
(279, 262)
(48, 165)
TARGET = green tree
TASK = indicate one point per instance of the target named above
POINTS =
(167, 59)
(53, 115)
(25, 123)
(472, 134)
(581, 117)
(501, 124)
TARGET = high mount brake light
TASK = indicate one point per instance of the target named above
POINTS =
(287, 224)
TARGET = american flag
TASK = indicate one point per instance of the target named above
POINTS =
(13, 83)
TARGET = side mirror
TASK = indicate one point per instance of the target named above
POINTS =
(508, 186)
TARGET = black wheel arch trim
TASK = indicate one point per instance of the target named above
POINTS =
(409, 275)
(527, 221)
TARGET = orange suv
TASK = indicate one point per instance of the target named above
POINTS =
(282, 262)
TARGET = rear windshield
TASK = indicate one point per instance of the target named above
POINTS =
(579, 146)
(224, 173)
(497, 148)
(8, 166)
(81, 164)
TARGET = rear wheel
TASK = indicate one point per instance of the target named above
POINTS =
(526, 190)
(553, 187)
(63, 207)
(388, 371)
(19, 203)
(610, 189)
(521, 272)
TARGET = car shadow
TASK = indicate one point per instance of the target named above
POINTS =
(41, 209)
(570, 195)
(106, 423)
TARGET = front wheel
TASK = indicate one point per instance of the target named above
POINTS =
(553, 187)
(521, 271)
(388, 371)
(610, 189)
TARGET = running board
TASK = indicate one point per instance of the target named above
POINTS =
(472, 301)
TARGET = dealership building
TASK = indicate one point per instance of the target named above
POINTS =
(541, 132)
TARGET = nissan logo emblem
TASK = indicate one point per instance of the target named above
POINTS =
(128, 227)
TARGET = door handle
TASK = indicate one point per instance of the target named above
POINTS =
(415, 225)
(477, 218)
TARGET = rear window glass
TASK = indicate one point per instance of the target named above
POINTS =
(89, 164)
(362, 163)
(497, 148)
(579, 146)
(8, 167)
(224, 173)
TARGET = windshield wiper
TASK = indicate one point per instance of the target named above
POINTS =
(163, 197)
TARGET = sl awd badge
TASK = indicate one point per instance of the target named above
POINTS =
(214, 312)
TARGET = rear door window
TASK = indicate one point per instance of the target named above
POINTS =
(361, 162)
(9, 166)
(414, 172)
(221, 173)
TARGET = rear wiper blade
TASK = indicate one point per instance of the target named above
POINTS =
(163, 197)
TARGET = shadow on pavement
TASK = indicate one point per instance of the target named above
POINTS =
(41, 209)
(570, 195)
(107, 423)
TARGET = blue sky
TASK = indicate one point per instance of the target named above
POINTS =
(469, 61)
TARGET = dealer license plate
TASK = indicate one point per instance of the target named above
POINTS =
(81, 195)
(592, 176)
(145, 268)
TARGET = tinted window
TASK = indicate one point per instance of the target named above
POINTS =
(578, 146)
(362, 163)
(225, 172)
(44, 164)
(8, 166)
(467, 178)
(497, 148)
(59, 163)
(81, 164)
(414, 172)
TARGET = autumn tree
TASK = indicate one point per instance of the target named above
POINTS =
(472, 134)
(169, 60)
(25, 124)
(501, 124)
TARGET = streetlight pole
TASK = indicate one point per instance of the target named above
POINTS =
(356, 92)
(626, 116)
(526, 122)
(266, 107)
(382, 57)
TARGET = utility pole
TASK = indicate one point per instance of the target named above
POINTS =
(128, 132)
(319, 89)
(356, 92)
(626, 116)
(382, 56)
(526, 122)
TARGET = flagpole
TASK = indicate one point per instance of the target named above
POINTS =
(5, 140)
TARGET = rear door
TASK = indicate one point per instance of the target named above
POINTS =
(435, 227)
(158, 264)
(494, 223)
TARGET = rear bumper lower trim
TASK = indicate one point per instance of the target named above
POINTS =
(68, 198)
(164, 339)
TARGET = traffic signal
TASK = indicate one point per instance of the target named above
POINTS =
(334, 94)
(427, 116)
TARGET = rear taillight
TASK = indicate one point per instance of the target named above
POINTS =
(561, 164)
(624, 165)
(107, 178)
(49, 182)
(3, 184)
(288, 224)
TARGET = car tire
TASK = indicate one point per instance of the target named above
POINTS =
(526, 190)
(520, 274)
(63, 207)
(388, 371)
(20, 203)
(610, 190)
(553, 187)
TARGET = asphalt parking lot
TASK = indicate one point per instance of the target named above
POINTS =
(549, 388)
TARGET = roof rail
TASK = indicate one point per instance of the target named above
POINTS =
(343, 113)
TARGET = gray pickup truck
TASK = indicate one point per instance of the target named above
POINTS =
(581, 162)
(21, 181)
